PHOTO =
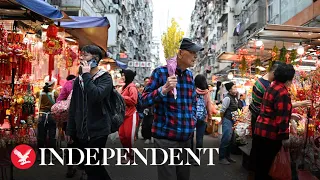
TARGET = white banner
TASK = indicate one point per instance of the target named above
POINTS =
(130, 64)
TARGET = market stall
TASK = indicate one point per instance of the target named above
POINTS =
(295, 45)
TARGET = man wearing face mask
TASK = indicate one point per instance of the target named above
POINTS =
(174, 118)
(89, 122)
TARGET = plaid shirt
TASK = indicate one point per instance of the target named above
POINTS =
(174, 119)
(276, 107)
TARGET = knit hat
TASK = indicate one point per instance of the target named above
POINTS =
(229, 86)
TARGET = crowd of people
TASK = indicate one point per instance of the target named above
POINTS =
(166, 119)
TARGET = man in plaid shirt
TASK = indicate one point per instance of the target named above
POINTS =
(174, 119)
(272, 126)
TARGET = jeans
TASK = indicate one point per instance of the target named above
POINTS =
(201, 127)
(95, 172)
(226, 140)
(45, 126)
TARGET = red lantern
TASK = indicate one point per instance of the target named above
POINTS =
(52, 31)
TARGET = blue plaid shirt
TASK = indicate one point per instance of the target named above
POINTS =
(174, 119)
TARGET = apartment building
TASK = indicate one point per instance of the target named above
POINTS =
(133, 25)
(225, 26)
(212, 25)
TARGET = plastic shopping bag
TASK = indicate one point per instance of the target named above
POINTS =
(281, 167)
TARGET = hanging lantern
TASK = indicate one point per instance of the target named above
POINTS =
(52, 31)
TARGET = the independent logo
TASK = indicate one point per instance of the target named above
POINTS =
(23, 156)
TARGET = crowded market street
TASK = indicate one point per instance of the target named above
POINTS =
(142, 172)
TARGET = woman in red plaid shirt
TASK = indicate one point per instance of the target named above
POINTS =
(272, 126)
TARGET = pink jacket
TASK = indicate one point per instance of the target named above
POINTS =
(207, 99)
(66, 90)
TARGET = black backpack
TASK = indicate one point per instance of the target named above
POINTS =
(116, 106)
(117, 109)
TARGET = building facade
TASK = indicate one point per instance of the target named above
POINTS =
(226, 25)
(212, 25)
(133, 25)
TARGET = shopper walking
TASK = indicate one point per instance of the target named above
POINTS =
(204, 111)
(228, 113)
(174, 115)
(128, 128)
(89, 121)
(147, 121)
(46, 124)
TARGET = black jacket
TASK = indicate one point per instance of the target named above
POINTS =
(98, 119)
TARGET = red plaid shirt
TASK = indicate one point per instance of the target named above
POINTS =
(276, 107)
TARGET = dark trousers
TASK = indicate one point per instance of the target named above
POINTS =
(200, 129)
(264, 151)
(166, 172)
(46, 124)
(254, 117)
(95, 172)
(146, 127)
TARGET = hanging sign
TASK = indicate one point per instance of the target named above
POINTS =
(149, 64)
(130, 64)
(136, 64)
(142, 64)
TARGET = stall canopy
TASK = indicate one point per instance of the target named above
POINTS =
(276, 35)
(28, 10)
(88, 30)
(42, 8)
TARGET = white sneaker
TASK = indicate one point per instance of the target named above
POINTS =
(152, 140)
(147, 141)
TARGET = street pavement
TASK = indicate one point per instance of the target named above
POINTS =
(143, 172)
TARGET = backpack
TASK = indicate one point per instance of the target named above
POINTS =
(117, 109)
(201, 112)
(116, 106)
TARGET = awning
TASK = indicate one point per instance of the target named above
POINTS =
(42, 8)
(35, 10)
(289, 36)
(88, 30)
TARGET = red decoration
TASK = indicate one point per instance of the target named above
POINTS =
(52, 31)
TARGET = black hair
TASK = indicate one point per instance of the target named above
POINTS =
(201, 82)
(284, 73)
(94, 50)
(241, 95)
(129, 75)
(70, 77)
(47, 87)
(274, 65)
(146, 78)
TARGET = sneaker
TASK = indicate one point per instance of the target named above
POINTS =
(152, 140)
(147, 141)
(224, 162)
(231, 160)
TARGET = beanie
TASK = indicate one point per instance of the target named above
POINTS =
(229, 86)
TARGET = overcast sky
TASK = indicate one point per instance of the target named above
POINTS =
(164, 10)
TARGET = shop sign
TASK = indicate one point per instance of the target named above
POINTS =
(149, 64)
(136, 64)
(130, 64)
(142, 64)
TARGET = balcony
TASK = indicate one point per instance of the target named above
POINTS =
(254, 16)
(68, 3)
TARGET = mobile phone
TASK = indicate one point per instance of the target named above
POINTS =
(93, 64)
